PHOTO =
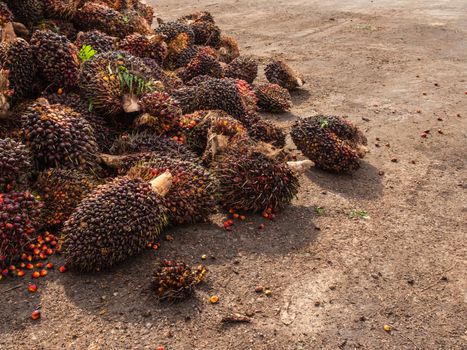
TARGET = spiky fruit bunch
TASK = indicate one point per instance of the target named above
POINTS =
(27, 12)
(175, 280)
(57, 135)
(243, 67)
(180, 43)
(232, 96)
(198, 125)
(172, 31)
(265, 131)
(58, 26)
(61, 9)
(273, 98)
(280, 73)
(149, 142)
(162, 112)
(228, 50)
(251, 180)
(100, 42)
(57, 58)
(104, 135)
(113, 223)
(15, 164)
(204, 64)
(114, 81)
(61, 191)
(191, 198)
(206, 32)
(18, 214)
(5, 14)
(93, 15)
(151, 46)
(17, 57)
(332, 142)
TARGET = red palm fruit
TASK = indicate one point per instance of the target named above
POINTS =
(39, 265)
(20, 273)
(35, 274)
(62, 269)
(36, 314)
(50, 251)
(29, 266)
(43, 273)
(32, 288)
(22, 265)
(49, 265)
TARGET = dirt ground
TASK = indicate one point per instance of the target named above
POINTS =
(397, 69)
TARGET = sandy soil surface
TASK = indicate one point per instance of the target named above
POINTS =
(397, 69)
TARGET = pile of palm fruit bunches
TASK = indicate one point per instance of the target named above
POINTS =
(111, 131)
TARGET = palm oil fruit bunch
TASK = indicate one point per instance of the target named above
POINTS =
(58, 136)
(205, 63)
(150, 142)
(116, 221)
(243, 68)
(61, 190)
(280, 73)
(273, 98)
(228, 50)
(151, 46)
(332, 143)
(114, 81)
(235, 97)
(27, 12)
(250, 177)
(180, 40)
(161, 112)
(15, 164)
(205, 30)
(175, 280)
(19, 212)
(17, 57)
(192, 197)
(197, 126)
(99, 41)
(263, 130)
(61, 9)
(98, 16)
(58, 26)
(57, 58)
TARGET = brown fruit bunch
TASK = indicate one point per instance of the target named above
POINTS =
(273, 98)
(57, 135)
(150, 46)
(57, 58)
(228, 50)
(243, 68)
(161, 112)
(332, 143)
(175, 280)
(197, 126)
(204, 64)
(61, 191)
(205, 30)
(251, 177)
(192, 197)
(99, 41)
(17, 58)
(280, 73)
(116, 221)
(15, 164)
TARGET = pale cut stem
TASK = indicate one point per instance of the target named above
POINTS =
(299, 167)
(162, 184)
(131, 103)
(362, 150)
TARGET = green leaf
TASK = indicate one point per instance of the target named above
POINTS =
(86, 53)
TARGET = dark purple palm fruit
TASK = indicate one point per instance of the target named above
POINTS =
(97, 40)
(116, 221)
(280, 73)
(243, 67)
(57, 58)
(332, 143)
(273, 98)
(58, 136)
